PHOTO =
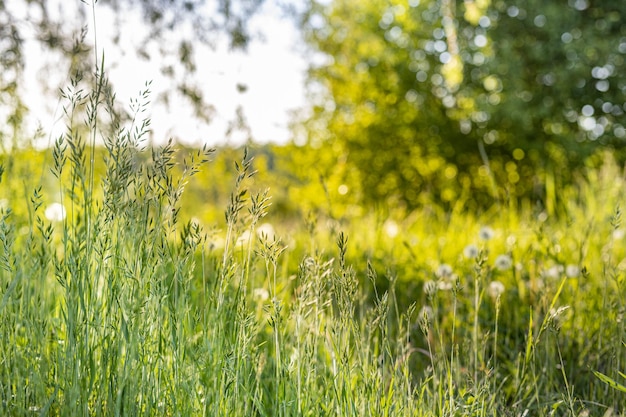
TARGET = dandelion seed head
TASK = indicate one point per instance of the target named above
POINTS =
(445, 285)
(471, 251)
(495, 289)
(510, 240)
(55, 212)
(444, 271)
(486, 233)
(391, 228)
(267, 230)
(572, 271)
(430, 288)
(260, 294)
(447, 278)
(244, 238)
(503, 262)
(554, 272)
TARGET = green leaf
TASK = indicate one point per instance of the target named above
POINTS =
(610, 381)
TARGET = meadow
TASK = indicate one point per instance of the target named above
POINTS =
(129, 287)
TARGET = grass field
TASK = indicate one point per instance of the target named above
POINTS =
(113, 301)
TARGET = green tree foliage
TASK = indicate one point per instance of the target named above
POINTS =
(60, 29)
(451, 96)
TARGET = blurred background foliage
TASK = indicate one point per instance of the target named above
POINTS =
(477, 100)
(453, 105)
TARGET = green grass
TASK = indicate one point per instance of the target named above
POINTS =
(127, 307)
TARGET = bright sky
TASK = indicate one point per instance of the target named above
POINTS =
(273, 70)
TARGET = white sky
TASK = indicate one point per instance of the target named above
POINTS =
(273, 70)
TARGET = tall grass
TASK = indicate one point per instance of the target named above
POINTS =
(118, 307)
(122, 307)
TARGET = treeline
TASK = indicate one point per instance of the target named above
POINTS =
(441, 98)
(306, 181)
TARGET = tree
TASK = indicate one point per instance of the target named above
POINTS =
(553, 81)
(60, 27)
(478, 95)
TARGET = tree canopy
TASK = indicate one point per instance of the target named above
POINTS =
(60, 28)
(444, 95)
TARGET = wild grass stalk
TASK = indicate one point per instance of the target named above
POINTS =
(135, 314)
(121, 305)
